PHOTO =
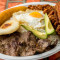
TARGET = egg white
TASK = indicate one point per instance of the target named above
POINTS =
(32, 21)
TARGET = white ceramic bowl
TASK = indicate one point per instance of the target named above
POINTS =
(39, 56)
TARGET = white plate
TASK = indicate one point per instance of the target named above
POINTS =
(39, 56)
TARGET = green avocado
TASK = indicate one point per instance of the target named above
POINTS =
(48, 26)
(35, 32)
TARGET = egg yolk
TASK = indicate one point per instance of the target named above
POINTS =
(35, 14)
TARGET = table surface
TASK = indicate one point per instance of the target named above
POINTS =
(4, 4)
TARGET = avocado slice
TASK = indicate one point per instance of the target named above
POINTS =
(35, 32)
(48, 26)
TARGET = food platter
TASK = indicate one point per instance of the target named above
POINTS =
(39, 56)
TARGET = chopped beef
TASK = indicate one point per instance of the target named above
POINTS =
(46, 8)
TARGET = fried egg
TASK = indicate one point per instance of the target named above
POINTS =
(32, 18)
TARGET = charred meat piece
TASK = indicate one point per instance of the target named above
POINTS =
(46, 8)
(42, 44)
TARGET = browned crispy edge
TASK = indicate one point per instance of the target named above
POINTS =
(57, 7)
(58, 10)
(5, 15)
